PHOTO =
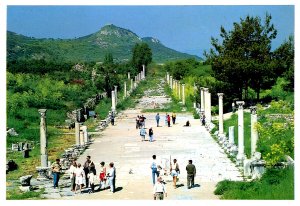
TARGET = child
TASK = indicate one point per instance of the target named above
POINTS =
(91, 176)
(102, 175)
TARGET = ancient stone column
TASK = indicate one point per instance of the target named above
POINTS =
(183, 94)
(125, 90)
(171, 82)
(43, 138)
(254, 132)
(208, 108)
(205, 94)
(221, 128)
(113, 101)
(241, 154)
(175, 87)
(179, 95)
(77, 133)
(131, 84)
(202, 99)
(85, 134)
(144, 71)
(231, 135)
(168, 78)
(174, 84)
(128, 75)
(116, 94)
(82, 140)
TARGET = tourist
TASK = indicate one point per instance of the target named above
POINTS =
(143, 121)
(174, 169)
(102, 175)
(111, 175)
(143, 133)
(159, 189)
(150, 134)
(56, 169)
(112, 119)
(73, 175)
(203, 120)
(137, 126)
(191, 173)
(79, 179)
(154, 168)
(169, 120)
(173, 117)
(187, 124)
(157, 117)
(92, 179)
(86, 167)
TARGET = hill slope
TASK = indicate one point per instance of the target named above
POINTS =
(93, 47)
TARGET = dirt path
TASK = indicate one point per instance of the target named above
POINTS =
(122, 145)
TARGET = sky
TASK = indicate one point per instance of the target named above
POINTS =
(183, 28)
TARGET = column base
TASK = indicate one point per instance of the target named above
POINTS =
(44, 160)
(240, 159)
(43, 173)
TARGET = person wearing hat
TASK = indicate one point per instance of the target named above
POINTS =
(159, 189)
(191, 173)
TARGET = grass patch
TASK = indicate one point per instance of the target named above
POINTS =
(17, 194)
(269, 187)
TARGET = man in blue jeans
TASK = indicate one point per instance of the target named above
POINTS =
(154, 167)
(56, 168)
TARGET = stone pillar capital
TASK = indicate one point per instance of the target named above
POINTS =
(205, 89)
(253, 109)
(42, 112)
(240, 104)
(201, 88)
(220, 95)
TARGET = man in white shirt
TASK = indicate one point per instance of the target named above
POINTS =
(159, 189)
(112, 177)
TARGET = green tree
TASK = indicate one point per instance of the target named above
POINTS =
(283, 58)
(141, 55)
(107, 77)
(242, 59)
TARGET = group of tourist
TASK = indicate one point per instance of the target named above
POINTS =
(143, 134)
(86, 176)
(168, 119)
(140, 121)
(159, 188)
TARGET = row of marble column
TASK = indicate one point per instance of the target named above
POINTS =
(254, 134)
(139, 77)
(81, 135)
(177, 87)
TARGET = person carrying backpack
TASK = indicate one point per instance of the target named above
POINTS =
(154, 168)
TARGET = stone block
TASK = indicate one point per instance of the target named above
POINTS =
(247, 168)
(15, 147)
(25, 188)
(258, 168)
(256, 156)
(25, 180)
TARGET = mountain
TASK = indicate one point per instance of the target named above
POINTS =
(93, 47)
